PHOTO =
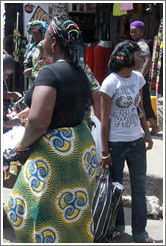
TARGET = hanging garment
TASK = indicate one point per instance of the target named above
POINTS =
(102, 53)
(117, 11)
(157, 58)
(126, 6)
(20, 46)
(102, 21)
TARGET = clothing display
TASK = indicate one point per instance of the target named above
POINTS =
(102, 21)
(102, 53)
(117, 10)
(20, 46)
(126, 6)
(157, 58)
(45, 203)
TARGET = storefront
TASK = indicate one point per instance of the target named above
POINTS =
(99, 22)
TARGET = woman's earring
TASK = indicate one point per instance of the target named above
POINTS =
(53, 50)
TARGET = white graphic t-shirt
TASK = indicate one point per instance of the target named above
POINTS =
(124, 92)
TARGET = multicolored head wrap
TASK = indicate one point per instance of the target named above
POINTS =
(37, 26)
(67, 33)
(138, 24)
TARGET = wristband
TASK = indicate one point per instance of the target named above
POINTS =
(105, 157)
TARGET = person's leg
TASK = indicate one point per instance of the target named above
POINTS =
(136, 161)
(118, 154)
(147, 101)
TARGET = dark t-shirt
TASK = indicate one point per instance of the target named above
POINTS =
(73, 93)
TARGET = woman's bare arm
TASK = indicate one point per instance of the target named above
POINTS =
(147, 137)
(105, 128)
(146, 66)
(96, 100)
(40, 115)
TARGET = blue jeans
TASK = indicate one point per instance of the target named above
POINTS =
(135, 155)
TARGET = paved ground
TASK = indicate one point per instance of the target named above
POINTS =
(154, 228)
(155, 169)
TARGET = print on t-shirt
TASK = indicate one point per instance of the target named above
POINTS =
(125, 112)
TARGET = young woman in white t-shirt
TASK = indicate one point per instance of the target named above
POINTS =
(121, 133)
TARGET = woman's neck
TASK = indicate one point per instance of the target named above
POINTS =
(60, 55)
(125, 72)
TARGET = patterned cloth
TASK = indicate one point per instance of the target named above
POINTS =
(52, 197)
(32, 53)
(94, 87)
(33, 56)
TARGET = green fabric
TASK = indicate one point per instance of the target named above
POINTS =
(52, 198)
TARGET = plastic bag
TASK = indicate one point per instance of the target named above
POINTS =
(105, 205)
(96, 133)
(12, 137)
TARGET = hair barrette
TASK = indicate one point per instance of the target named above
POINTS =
(125, 48)
(119, 57)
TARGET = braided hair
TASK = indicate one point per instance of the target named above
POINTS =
(123, 55)
(67, 34)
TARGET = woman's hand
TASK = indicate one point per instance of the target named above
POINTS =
(23, 115)
(19, 149)
(27, 72)
(148, 142)
(106, 161)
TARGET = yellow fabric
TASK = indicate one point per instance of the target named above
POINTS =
(154, 107)
(51, 201)
(117, 11)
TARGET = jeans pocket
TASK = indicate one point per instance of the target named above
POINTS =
(116, 148)
(139, 143)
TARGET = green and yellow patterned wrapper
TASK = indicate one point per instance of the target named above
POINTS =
(52, 198)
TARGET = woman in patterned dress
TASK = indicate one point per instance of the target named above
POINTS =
(52, 197)
(37, 30)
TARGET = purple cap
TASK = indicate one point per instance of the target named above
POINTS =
(138, 24)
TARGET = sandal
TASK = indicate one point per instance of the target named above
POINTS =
(145, 240)
(114, 237)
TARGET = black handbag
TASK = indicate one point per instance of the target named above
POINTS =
(105, 205)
